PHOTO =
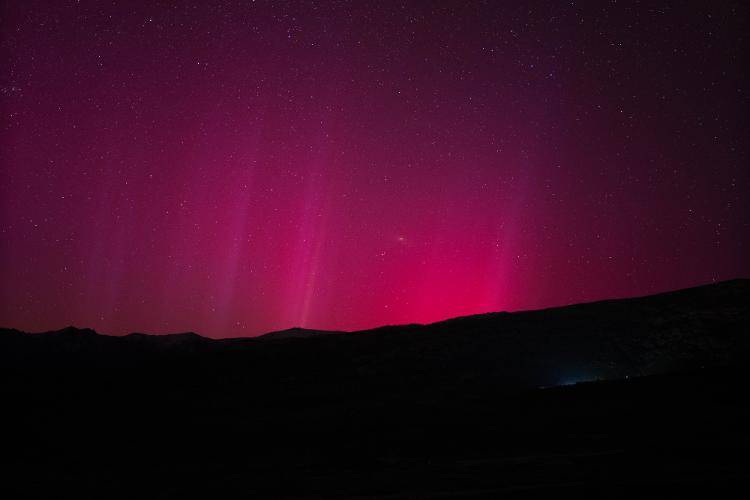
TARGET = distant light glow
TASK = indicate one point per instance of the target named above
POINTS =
(577, 380)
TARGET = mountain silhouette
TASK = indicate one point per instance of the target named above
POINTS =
(628, 397)
(609, 339)
(296, 333)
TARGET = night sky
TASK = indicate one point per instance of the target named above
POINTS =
(233, 168)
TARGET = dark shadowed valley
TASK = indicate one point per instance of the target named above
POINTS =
(633, 398)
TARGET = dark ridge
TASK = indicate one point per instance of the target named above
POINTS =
(175, 338)
(734, 286)
(608, 339)
(645, 397)
(296, 332)
(72, 331)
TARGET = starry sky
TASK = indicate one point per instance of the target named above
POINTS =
(233, 168)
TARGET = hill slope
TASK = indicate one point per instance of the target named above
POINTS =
(451, 409)
(689, 328)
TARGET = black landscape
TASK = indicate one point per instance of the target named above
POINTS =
(632, 398)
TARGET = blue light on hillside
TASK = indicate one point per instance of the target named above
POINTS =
(578, 378)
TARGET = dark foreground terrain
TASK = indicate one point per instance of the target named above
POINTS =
(471, 407)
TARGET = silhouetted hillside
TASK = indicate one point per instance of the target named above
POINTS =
(451, 409)
(296, 333)
(602, 340)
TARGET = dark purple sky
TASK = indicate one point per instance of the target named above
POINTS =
(238, 167)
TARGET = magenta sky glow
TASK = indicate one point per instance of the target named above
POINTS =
(233, 168)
